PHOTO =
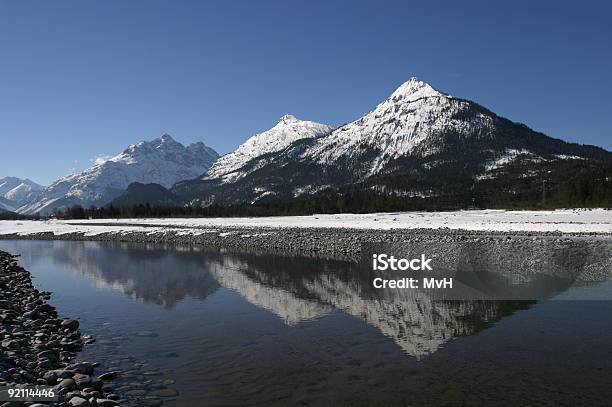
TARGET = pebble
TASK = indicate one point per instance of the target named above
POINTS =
(71, 324)
(67, 384)
(78, 402)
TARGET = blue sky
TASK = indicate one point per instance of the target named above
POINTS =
(79, 79)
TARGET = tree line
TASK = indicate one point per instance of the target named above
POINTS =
(583, 190)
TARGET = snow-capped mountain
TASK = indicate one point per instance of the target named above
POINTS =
(162, 160)
(17, 192)
(418, 143)
(288, 130)
(399, 126)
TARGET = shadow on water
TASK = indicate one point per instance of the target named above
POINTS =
(319, 302)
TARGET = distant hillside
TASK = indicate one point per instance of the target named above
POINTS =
(152, 194)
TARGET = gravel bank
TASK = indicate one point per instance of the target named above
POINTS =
(324, 242)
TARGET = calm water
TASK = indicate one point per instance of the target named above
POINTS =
(236, 329)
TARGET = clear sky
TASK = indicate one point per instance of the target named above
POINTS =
(81, 79)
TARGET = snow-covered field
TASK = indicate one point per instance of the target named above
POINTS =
(566, 221)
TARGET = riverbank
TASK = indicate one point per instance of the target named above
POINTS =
(343, 244)
(326, 235)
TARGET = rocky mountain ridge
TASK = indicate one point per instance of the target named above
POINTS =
(163, 161)
(420, 144)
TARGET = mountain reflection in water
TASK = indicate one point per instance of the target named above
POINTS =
(295, 288)
(256, 329)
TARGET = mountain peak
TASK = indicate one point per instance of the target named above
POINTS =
(287, 118)
(164, 140)
(414, 89)
(288, 130)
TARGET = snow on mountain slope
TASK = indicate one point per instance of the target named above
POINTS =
(163, 161)
(419, 142)
(288, 130)
(19, 191)
(396, 127)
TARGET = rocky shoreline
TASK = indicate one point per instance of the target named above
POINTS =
(320, 242)
(40, 348)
